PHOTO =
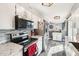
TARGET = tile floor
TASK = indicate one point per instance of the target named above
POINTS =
(62, 53)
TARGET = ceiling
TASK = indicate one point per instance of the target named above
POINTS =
(48, 13)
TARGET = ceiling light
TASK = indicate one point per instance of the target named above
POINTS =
(56, 17)
(47, 4)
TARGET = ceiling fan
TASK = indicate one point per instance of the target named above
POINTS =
(47, 4)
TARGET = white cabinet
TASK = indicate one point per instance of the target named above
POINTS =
(35, 19)
(29, 15)
(23, 13)
(35, 25)
(7, 13)
(20, 11)
(57, 36)
(26, 14)
(68, 51)
(71, 50)
(39, 44)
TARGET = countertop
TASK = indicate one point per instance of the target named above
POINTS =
(54, 46)
(37, 36)
(76, 45)
(9, 49)
(72, 49)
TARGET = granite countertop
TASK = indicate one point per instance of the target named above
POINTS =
(76, 45)
(37, 36)
(9, 49)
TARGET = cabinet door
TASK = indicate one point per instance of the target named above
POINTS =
(39, 45)
(29, 15)
(57, 36)
(22, 12)
(35, 19)
(68, 51)
(7, 13)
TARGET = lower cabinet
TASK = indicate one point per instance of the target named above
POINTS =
(39, 45)
(70, 50)
(57, 36)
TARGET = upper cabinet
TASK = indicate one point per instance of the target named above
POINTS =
(7, 13)
(23, 13)
(35, 19)
(28, 15)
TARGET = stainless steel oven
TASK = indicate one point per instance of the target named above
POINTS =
(19, 38)
(22, 39)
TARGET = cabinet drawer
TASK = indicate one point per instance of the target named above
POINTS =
(57, 36)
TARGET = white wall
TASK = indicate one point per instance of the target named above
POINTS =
(7, 13)
(75, 17)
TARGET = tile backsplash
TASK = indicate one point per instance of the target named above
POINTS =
(4, 38)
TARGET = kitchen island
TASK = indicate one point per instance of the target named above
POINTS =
(72, 49)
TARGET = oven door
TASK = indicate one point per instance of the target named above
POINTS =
(16, 40)
(31, 50)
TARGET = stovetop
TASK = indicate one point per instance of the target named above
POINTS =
(27, 41)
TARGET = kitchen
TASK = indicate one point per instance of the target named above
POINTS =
(39, 29)
(20, 33)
